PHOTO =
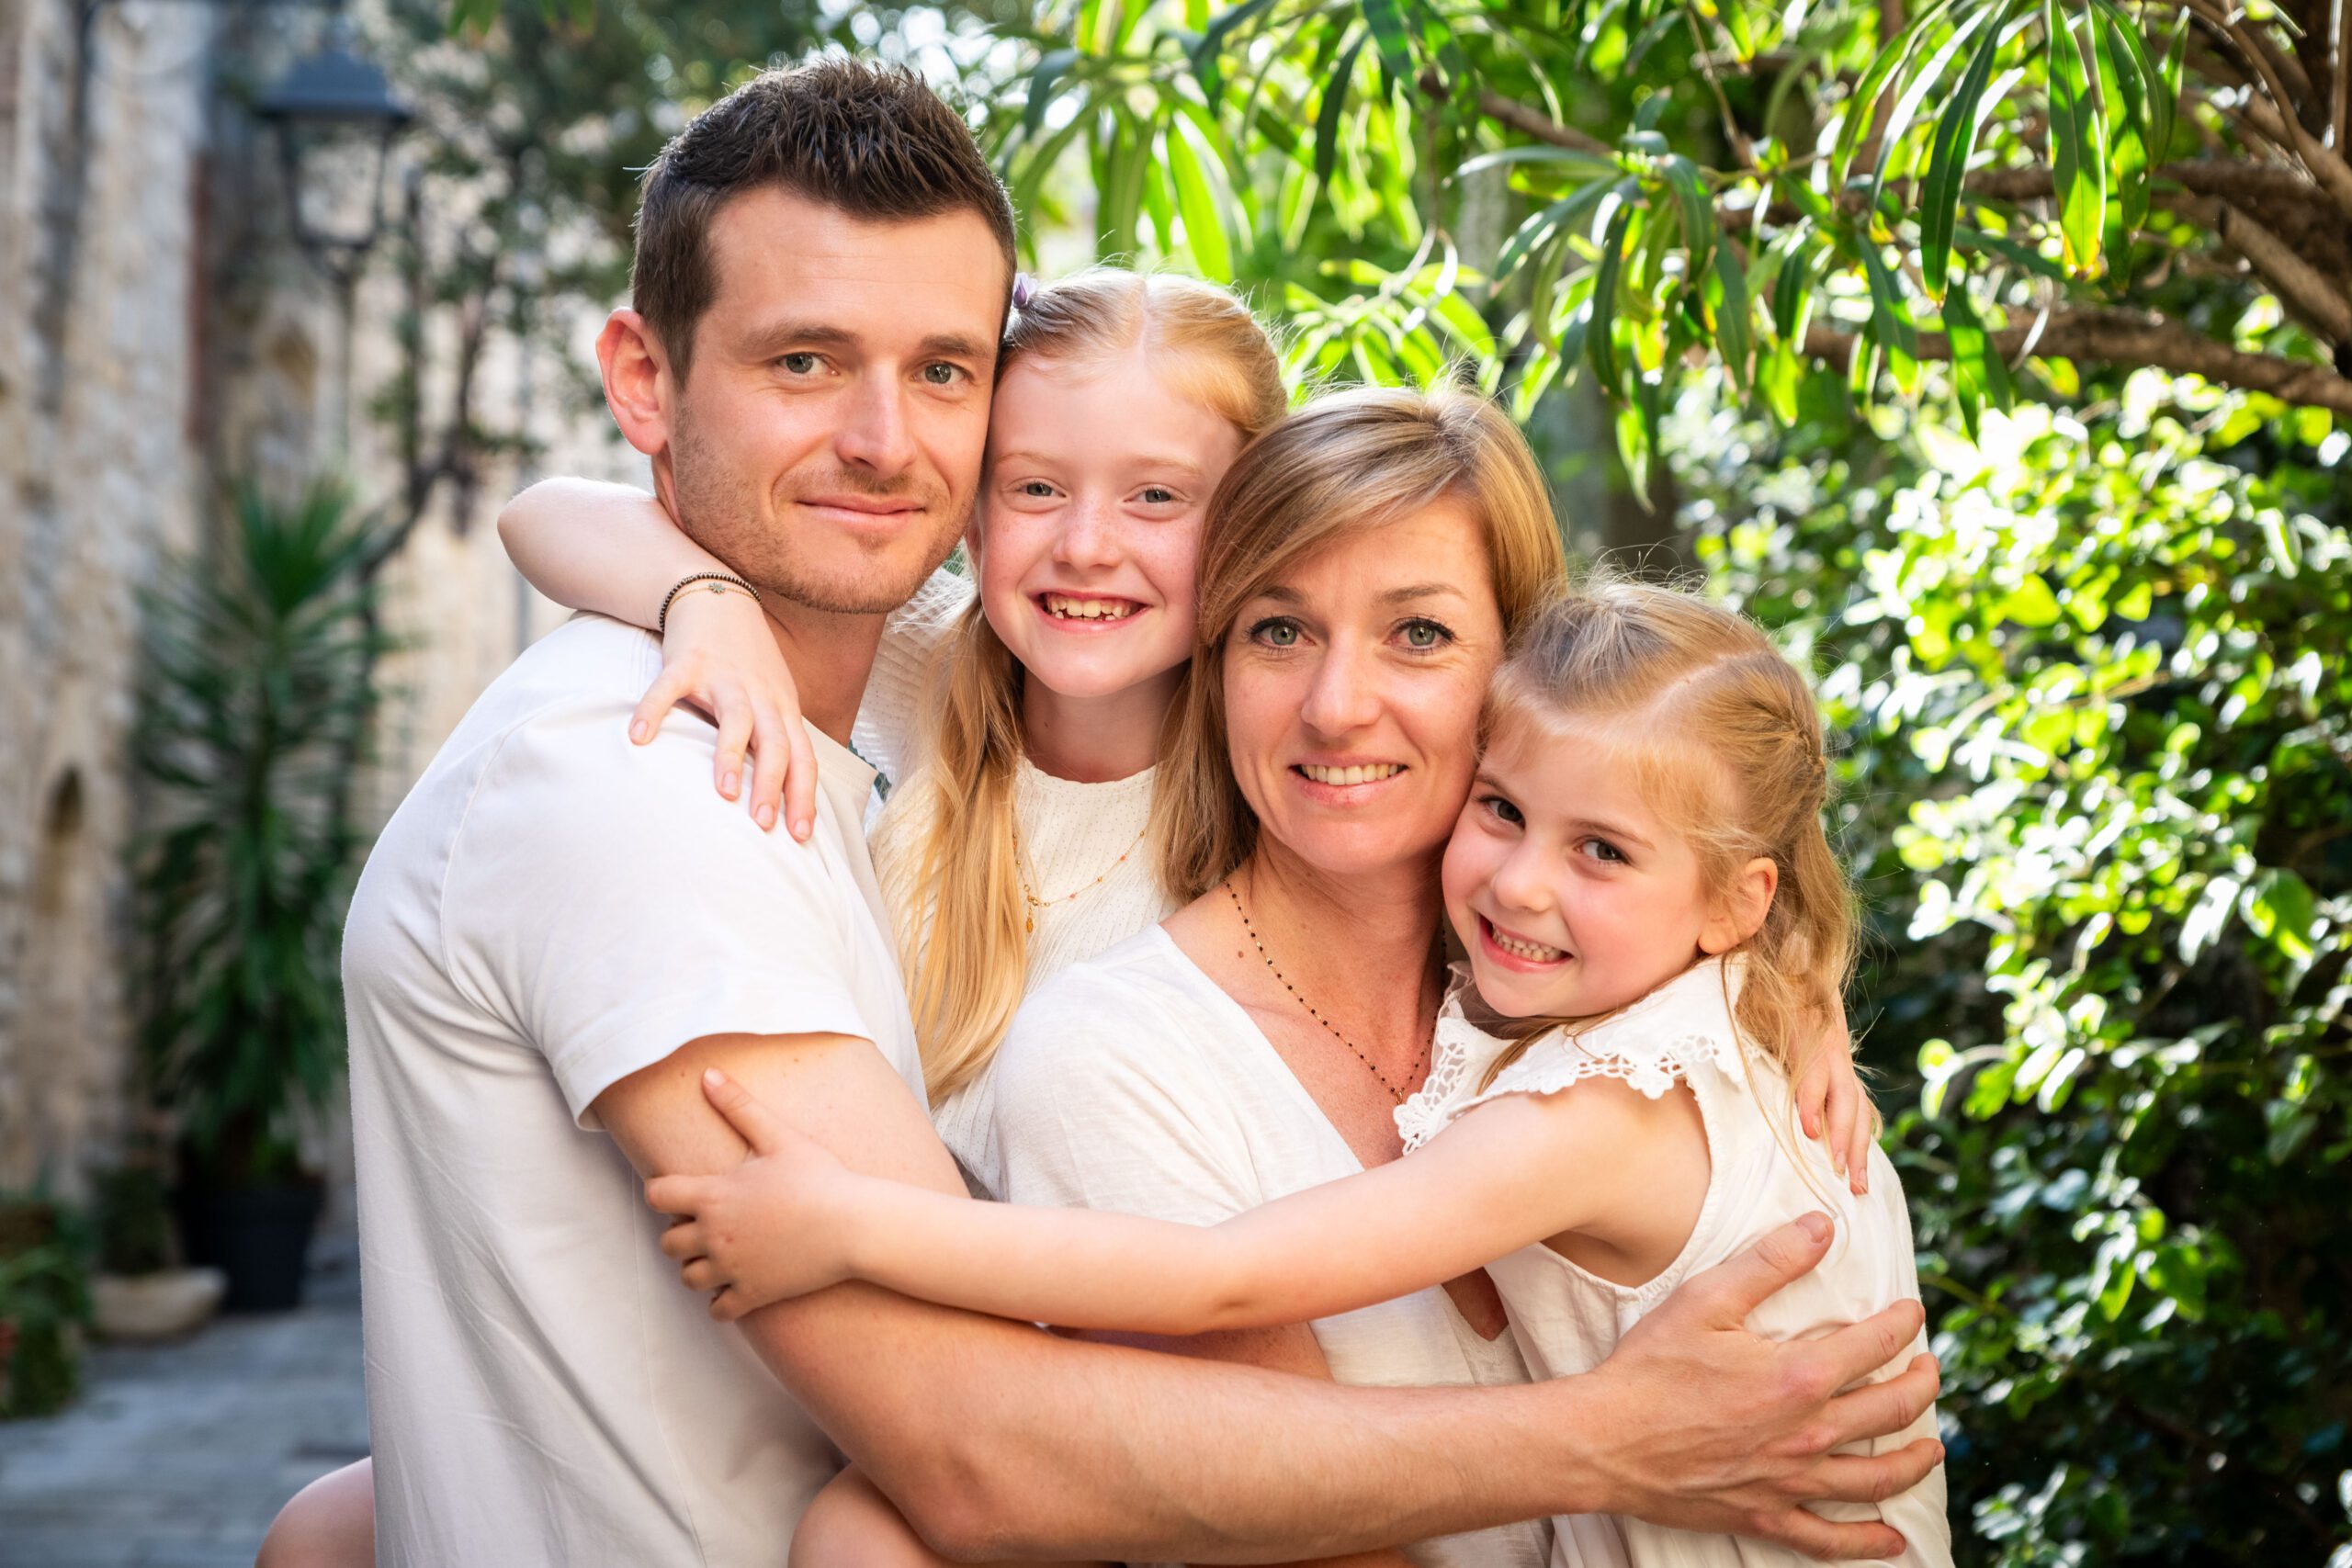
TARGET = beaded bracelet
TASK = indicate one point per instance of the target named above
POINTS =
(720, 582)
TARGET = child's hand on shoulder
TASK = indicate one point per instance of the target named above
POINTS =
(776, 1226)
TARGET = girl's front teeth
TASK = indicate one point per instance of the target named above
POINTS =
(1535, 953)
(1371, 775)
(1089, 609)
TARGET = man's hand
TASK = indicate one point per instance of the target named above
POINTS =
(1713, 1428)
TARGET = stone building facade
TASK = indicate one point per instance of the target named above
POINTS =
(160, 341)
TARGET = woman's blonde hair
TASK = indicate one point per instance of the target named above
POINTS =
(1725, 742)
(1347, 463)
(963, 931)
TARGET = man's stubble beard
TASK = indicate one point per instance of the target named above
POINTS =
(722, 511)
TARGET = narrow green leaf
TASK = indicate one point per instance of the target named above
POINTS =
(2077, 147)
(1915, 93)
(1577, 164)
(1777, 376)
(1196, 204)
(1696, 212)
(1727, 307)
(1793, 293)
(1979, 375)
(1954, 139)
(1386, 20)
(1891, 323)
(1861, 108)
(1208, 54)
(2025, 256)
(2127, 81)
(1050, 70)
(1327, 117)
(1601, 337)
(1540, 228)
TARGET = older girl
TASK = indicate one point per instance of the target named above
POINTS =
(1652, 913)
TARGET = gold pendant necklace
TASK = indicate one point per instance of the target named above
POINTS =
(1398, 1095)
(1029, 922)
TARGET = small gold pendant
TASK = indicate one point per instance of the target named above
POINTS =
(1029, 923)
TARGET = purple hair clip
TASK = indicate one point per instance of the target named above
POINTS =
(1025, 289)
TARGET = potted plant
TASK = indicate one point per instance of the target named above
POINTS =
(139, 1292)
(259, 690)
(44, 1303)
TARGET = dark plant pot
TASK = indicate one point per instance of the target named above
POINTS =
(259, 1236)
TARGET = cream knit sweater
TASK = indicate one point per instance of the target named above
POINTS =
(1070, 833)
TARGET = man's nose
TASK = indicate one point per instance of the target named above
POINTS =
(1345, 696)
(874, 435)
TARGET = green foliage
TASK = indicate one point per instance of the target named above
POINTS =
(2092, 673)
(131, 1216)
(44, 1306)
(258, 688)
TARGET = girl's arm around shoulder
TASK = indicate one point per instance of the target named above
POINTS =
(1509, 1174)
(607, 547)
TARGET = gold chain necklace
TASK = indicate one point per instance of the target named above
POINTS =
(1029, 922)
(1395, 1093)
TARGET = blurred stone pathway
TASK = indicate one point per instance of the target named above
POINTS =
(178, 1456)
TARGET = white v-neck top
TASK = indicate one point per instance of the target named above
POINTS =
(1131, 1082)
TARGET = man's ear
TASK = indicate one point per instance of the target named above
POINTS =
(1741, 913)
(637, 384)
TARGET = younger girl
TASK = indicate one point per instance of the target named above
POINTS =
(1651, 912)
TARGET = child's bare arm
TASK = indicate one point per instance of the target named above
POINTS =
(1519, 1170)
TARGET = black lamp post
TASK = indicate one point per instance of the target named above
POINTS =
(335, 117)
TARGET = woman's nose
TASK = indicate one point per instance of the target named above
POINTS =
(1345, 696)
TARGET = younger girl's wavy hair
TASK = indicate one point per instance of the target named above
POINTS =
(951, 874)
(1725, 742)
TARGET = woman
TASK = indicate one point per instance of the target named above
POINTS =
(1364, 564)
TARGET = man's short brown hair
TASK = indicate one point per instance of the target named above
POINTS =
(873, 141)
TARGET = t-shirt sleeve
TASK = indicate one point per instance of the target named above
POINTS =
(1101, 1103)
(606, 904)
(905, 678)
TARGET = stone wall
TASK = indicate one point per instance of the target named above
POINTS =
(99, 200)
(161, 340)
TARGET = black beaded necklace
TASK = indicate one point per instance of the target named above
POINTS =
(1395, 1093)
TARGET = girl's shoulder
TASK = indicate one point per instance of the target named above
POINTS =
(1682, 1027)
(904, 678)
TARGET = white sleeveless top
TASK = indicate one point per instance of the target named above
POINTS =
(1569, 1320)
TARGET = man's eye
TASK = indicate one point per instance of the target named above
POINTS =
(799, 364)
(1426, 635)
(1275, 632)
(941, 374)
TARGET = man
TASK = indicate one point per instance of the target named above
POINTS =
(559, 933)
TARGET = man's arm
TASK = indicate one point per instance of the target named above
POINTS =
(998, 1440)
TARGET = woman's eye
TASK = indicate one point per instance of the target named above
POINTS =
(1275, 632)
(1426, 635)
(1503, 810)
(941, 374)
(800, 364)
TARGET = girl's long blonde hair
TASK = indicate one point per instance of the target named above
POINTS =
(956, 886)
(1726, 742)
(1346, 463)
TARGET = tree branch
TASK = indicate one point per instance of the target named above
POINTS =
(2127, 339)
(1535, 123)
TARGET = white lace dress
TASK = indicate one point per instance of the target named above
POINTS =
(1568, 1320)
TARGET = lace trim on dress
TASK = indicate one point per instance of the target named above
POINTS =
(1652, 1045)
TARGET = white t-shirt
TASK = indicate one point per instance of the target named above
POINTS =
(1132, 1083)
(1763, 1172)
(550, 910)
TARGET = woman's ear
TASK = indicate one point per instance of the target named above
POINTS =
(1740, 914)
